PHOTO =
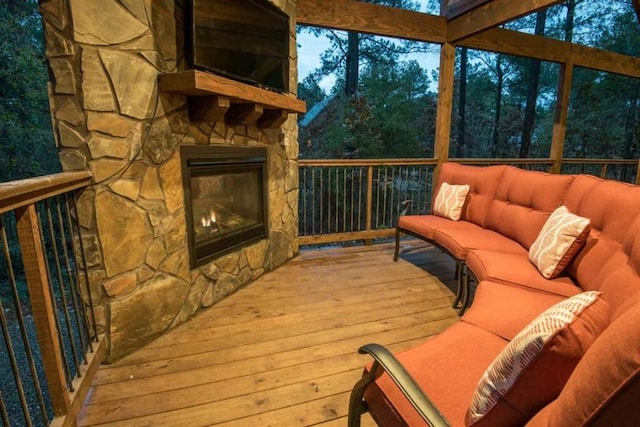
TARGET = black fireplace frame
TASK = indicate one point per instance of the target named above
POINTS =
(206, 160)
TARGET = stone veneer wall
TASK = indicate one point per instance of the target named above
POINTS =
(109, 118)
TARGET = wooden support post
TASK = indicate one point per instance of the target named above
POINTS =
(638, 173)
(41, 304)
(208, 109)
(560, 120)
(445, 105)
(244, 114)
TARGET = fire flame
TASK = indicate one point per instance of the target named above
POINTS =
(209, 220)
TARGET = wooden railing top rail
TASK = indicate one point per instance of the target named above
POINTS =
(367, 162)
(24, 192)
(469, 161)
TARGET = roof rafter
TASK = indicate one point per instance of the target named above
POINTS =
(352, 15)
(636, 7)
(492, 14)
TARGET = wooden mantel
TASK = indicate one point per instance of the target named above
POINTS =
(215, 98)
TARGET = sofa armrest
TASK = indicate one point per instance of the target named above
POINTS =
(406, 205)
(385, 361)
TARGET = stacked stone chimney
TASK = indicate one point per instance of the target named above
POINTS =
(110, 118)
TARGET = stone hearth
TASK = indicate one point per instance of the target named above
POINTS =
(110, 118)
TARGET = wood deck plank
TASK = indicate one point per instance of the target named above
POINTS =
(281, 351)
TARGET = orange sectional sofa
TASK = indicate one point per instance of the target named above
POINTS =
(595, 382)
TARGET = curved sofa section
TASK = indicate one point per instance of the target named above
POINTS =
(502, 216)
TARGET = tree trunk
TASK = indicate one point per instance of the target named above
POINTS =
(532, 92)
(462, 103)
(568, 24)
(498, 105)
(353, 63)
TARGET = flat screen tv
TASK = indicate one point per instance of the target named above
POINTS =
(245, 40)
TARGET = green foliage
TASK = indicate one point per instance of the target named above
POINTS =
(26, 138)
(393, 113)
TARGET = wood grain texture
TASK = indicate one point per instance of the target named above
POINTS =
(43, 312)
(24, 192)
(560, 117)
(490, 15)
(353, 15)
(372, 19)
(445, 102)
(282, 351)
(200, 83)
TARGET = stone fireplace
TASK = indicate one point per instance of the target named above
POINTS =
(112, 117)
(225, 198)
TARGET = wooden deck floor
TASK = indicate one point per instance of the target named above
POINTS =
(283, 350)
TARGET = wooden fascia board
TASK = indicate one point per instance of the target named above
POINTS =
(369, 18)
(490, 15)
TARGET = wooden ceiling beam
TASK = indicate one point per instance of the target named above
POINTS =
(353, 15)
(370, 18)
(490, 15)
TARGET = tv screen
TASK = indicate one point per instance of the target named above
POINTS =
(246, 40)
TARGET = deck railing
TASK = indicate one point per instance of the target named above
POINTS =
(343, 200)
(50, 345)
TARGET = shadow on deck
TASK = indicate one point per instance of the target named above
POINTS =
(283, 350)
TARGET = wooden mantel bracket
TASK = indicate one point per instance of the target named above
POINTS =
(244, 114)
(209, 108)
(214, 98)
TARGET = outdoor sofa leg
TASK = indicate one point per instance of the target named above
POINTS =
(395, 254)
(459, 274)
(357, 405)
(467, 292)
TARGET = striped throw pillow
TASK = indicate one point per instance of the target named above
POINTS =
(559, 240)
(532, 369)
(450, 200)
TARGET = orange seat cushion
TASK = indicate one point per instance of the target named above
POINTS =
(516, 270)
(460, 241)
(504, 309)
(444, 369)
(426, 225)
(532, 370)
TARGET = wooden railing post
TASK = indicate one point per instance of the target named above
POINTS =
(33, 257)
(445, 105)
(560, 119)
(369, 202)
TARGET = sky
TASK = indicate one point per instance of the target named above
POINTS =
(310, 47)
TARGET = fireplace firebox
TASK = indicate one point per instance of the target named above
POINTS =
(226, 204)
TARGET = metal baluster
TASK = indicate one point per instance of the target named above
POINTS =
(23, 326)
(63, 290)
(321, 200)
(73, 289)
(313, 198)
(377, 201)
(337, 209)
(344, 198)
(82, 258)
(86, 274)
(360, 199)
(63, 352)
(352, 195)
(304, 200)
(14, 365)
(3, 412)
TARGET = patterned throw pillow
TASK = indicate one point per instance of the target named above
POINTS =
(560, 239)
(533, 368)
(450, 200)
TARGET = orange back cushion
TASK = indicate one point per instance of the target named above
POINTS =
(482, 183)
(523, 202)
